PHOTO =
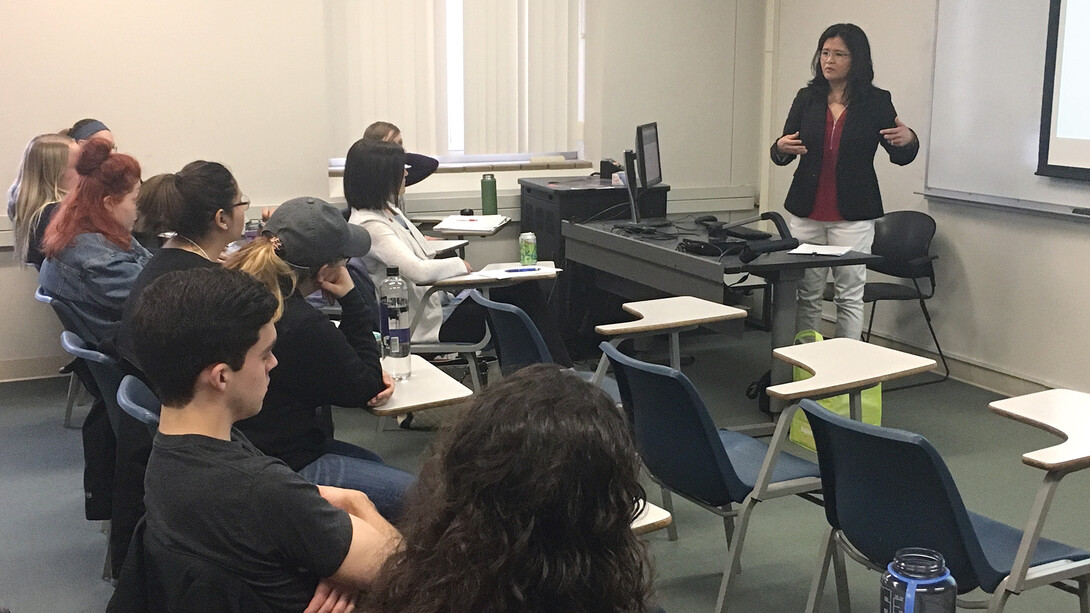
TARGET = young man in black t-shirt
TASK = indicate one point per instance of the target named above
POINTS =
(204, 338)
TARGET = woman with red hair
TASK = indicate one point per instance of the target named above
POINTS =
(91, 256)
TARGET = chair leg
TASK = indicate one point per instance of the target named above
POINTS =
(870, 322)
(474, 371)
(1084, 594)
(728, 529)
(675, 351)
(668, 504)
(734, 561)
(840, 575)
(931, 328)
(998, 601)
(603, 363)
(817, 586)
(73, 392)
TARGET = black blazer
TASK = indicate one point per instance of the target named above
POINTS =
(856, 183)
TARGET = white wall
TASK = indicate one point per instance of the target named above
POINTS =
(246, 83)
(238, 82)
(694, 67)
(1016, 286)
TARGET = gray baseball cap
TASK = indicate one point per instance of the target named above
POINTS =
(312, 232)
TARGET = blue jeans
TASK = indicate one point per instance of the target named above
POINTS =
(348, 466)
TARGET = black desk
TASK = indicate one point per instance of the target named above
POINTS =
(656, 264)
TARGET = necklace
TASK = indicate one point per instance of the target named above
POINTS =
(195, 245)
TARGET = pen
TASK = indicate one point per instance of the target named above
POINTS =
(531, 269)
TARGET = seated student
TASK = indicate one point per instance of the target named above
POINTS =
(82, 131)
(46, 173)
(303, 249)
(205, 337)
(524, 505)
(373, 178)
(91, 256)
(202, 205)
(417, 167)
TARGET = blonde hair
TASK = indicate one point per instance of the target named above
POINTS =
(259, 260)
(37, 184)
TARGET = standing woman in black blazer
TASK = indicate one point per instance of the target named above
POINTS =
(836, 124)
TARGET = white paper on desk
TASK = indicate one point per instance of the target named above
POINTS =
(808, 249)
(471, 223)
(501, 273)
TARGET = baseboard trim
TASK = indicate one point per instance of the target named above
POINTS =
(967, 372)
(32, 368)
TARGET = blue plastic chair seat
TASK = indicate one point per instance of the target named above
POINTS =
(879, 511)
(748, 454)
(1000, 543)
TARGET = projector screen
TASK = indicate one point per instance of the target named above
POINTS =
(1065, 120)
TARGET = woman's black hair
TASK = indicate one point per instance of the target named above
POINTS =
(861, 73)
(526, 505)
(373, 172)
(187, 201)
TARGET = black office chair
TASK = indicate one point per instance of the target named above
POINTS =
(903, 239)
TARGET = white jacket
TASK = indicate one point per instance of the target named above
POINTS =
(404, 247)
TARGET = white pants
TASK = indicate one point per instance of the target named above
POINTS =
(848, 281)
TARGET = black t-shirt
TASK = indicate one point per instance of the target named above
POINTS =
(228, 503)
(163, 262)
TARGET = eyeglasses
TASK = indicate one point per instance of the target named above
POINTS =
(836, 55)
(244, 203)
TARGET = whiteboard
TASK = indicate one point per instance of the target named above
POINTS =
(986, 108)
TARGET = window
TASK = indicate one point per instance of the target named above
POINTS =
(459, 76)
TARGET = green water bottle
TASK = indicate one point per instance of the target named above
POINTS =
(488, 194)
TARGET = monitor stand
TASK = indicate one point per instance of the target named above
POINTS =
(647, 226)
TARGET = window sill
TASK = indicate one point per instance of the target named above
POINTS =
(336, 166)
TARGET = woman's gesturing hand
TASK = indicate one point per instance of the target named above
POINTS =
(899, 136)
(790, 144)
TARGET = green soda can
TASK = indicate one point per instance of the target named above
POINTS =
(527, 249)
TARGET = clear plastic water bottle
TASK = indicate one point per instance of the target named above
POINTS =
(917, 581)
(393, 295)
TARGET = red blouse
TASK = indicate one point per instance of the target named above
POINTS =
(825, 207)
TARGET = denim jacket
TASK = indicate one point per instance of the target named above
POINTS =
(94, 276)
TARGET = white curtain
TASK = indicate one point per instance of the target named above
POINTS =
(391, 68)
(520, 75)
(520, 72)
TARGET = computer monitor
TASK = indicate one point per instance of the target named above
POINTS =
(647, 150)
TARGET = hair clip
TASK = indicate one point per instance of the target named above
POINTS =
(275, 241)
